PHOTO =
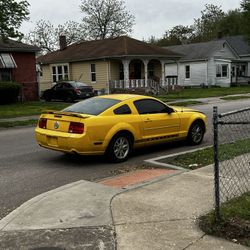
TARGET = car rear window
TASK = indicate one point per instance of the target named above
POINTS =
(92, 106)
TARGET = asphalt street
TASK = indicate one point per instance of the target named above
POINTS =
(26, 170)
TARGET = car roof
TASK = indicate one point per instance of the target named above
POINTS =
(122, 97)
(73, 82)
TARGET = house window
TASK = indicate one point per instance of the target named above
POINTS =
(60, 73)
(93, 72)
(5, 75)
(222, 70)
(187, 71)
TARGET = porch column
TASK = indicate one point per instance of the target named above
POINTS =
(178, 73)
(145, 61)
(126, 72)
(163, 72)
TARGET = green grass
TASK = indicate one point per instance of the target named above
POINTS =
(234, 222)
(238, 97)
(18, 123)
(205, 156)
(28, 108)
(203, 93)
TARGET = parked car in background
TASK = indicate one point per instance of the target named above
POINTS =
(115, 124)
(68, 91)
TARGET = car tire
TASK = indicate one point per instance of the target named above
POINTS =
(119, 148)
(196, 133)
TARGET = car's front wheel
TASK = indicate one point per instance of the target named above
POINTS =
(119, 148)
(196, 133)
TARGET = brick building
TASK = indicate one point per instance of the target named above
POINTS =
(18, 64)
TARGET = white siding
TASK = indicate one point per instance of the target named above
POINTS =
(211, 72)
(198, 73)
(223, 81)
(225, 53)
(171, 69)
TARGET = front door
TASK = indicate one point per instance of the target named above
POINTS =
(137, 67)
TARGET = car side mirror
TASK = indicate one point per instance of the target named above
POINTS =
(169, 110)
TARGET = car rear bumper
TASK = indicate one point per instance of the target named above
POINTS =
(68, 143)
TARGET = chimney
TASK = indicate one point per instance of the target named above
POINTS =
(62, 42)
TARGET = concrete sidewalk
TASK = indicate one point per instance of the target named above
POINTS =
(160, 214)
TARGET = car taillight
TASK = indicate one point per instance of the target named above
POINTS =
(78, 91)
(42, 123)
(76, 128)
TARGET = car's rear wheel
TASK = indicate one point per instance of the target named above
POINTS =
(119, 148)
(196, 133)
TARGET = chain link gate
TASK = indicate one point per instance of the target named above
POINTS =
(231, 155)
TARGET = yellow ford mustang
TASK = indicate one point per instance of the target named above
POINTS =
(115, 124)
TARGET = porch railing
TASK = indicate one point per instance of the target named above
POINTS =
(150, 85)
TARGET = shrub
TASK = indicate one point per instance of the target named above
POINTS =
(9, 92)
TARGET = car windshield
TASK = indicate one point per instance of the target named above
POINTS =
(78, 84)
(92, 106)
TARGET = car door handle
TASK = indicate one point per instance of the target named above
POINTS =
(148, 120)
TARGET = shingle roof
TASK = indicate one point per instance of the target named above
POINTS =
(201, 51)
(15, 46)
(239, 44)
(108, 48)
(197, 51)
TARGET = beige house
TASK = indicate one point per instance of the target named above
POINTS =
(115, 63)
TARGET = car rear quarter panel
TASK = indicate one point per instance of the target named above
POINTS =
(103, 128)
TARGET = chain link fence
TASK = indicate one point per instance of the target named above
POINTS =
(231, 155)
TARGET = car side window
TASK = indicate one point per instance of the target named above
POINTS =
(67, 86)
(57, 86)
(123, 110)
(149, 106)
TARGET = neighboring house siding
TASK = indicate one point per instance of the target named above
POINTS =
(25, 74)
(45, 78)
(115, 70)
(211, 72)
(223, 81)
(198, 73)
(101, 75)
(79, 71)
(225, 53)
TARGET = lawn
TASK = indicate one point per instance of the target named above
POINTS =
(29, 108)
(194, 93)
(235, 221)
(204, 157)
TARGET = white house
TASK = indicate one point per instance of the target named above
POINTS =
(216, 63)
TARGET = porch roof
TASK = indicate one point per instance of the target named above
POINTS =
(119, 47)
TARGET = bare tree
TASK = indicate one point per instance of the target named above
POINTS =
(46, 36)
(106, 18)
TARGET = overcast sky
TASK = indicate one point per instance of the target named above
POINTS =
(152, 17)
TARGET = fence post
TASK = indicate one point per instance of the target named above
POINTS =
(216, 165)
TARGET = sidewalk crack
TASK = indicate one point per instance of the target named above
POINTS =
(193, 242)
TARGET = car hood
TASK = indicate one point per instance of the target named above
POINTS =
(184, 109)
